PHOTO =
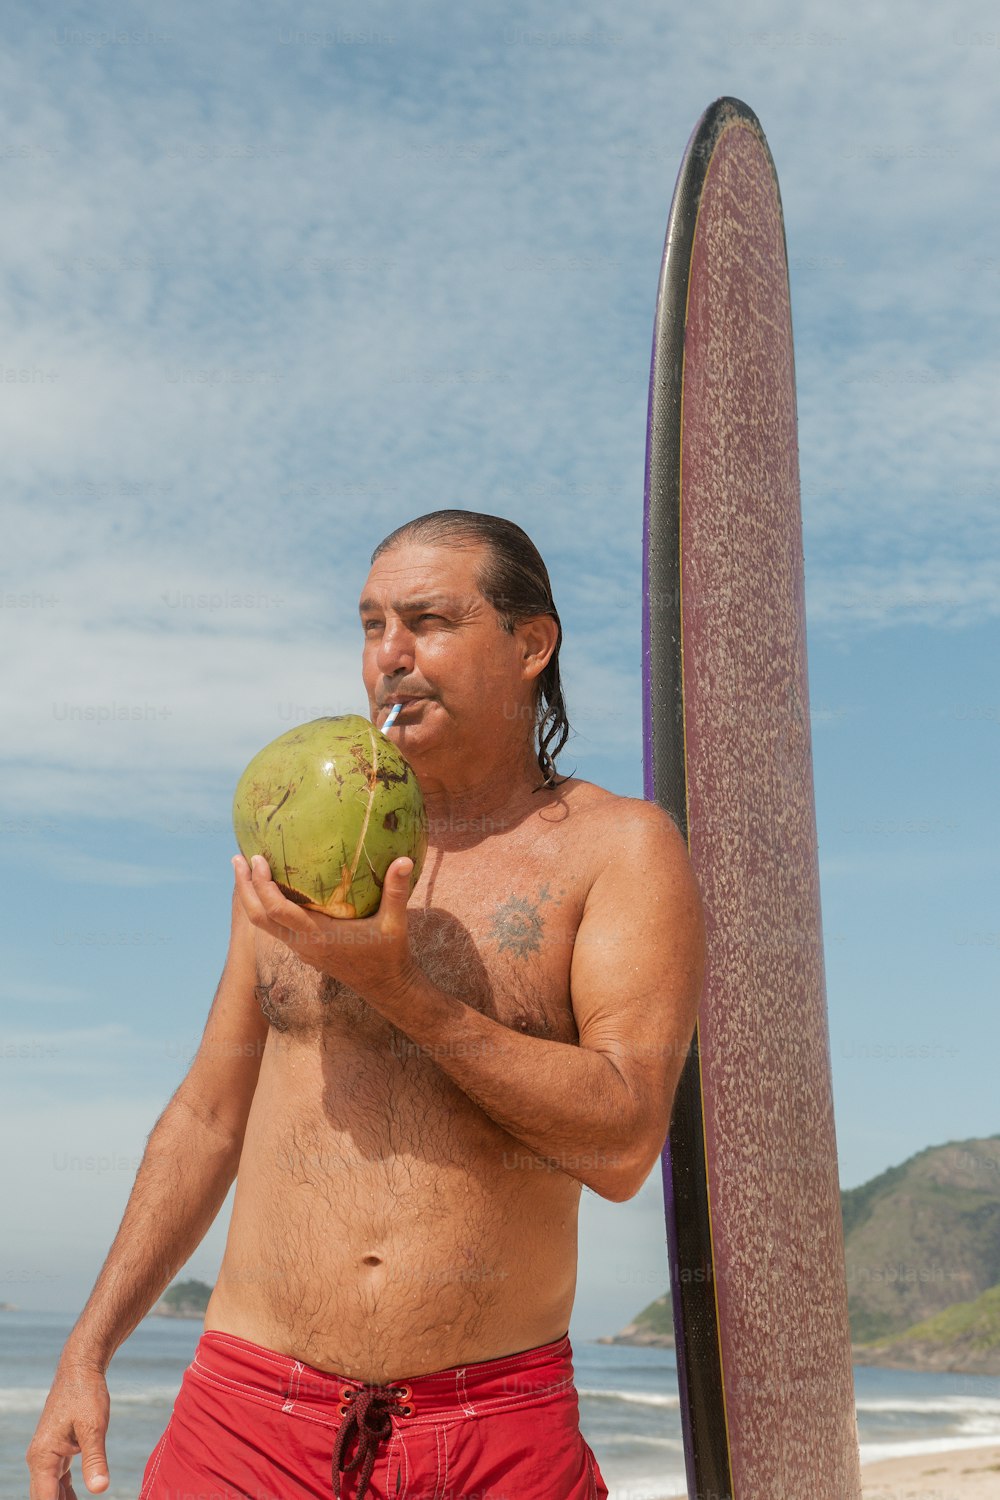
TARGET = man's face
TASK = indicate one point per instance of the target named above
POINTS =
(432, 642)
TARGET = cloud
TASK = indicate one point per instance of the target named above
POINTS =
(77, 867)
(72, 1175)
(30, 992)
(948, 593)
(907, 866)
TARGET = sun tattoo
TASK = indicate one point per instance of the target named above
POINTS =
(517, 926)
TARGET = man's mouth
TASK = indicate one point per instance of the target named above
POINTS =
(404, 699)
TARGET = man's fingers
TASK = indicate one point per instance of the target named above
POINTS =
(263, 902)
(45, 1487)
(271, 911)
(395, 895)
(277, 907)
(96, 1476)
(333, 945)
(93, 1459)
(250, 899)
(47, 1481)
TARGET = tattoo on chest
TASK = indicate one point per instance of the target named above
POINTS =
(517, 924)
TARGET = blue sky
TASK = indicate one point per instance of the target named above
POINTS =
(275, 282)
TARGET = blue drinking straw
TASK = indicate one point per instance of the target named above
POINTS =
(392, 717)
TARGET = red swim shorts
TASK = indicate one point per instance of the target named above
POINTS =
(250, 1424)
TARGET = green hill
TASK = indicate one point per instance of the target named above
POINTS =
(654, 1325)
(922, 1245)
(922, 1236)
(185, 1299)
(965, 1336)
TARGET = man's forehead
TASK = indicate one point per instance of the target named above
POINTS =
(408, 603)
(422, 577)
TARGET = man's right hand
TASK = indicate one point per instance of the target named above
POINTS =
(74, 1420)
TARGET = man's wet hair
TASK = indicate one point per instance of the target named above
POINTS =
(512, 578)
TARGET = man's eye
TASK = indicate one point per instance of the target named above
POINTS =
(369, 625)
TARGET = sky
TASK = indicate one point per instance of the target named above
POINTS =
(276, 280)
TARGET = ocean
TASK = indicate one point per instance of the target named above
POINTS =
(629, 1410)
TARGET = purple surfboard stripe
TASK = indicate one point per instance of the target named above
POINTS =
(666, 1165)
(666, 1168)
(683, 1394)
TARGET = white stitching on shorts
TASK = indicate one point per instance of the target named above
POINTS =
(250, 1392)
(437, 1491)
(498, 1404)
(406, 1466)
(390, 1452)
(442, 1433)
(147, 1488)
(293, 1385)
(265, 1356)
(462, 1393)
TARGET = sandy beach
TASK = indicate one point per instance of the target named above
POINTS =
(965, 1474)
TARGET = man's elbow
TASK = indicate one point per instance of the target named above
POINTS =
(621, 1189)
(623, 1176)
(609, 1174)
(636, 1180)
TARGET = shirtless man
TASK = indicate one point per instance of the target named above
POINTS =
(415, 1100)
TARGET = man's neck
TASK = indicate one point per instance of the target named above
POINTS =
(491, 799)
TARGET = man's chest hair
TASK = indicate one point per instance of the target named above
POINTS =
(509, 959)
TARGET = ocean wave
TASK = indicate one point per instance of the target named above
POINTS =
(645, 1439)
(986, 1425)
(640, 1398)
(873, 1453)
(27, 1398)
(23, 1398)
(950, 1405)
(145, 1395)
(649, 1487)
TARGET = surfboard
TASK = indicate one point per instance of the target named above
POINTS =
(751, 1191)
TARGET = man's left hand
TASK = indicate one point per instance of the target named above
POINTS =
(369, 954)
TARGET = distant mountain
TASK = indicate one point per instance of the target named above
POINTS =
(922, 1244)
(964, 1337)
(922, 1236)
(654, 1326)
(185, 1299)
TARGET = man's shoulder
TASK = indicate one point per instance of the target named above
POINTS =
(610, 827)
(600, 804)
(626, 838)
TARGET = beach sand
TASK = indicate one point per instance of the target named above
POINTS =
(965, 1474)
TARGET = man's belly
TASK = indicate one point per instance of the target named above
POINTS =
(383, 1226)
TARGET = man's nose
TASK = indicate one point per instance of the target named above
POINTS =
(395, 649)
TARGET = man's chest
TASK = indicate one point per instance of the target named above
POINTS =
(500, 940)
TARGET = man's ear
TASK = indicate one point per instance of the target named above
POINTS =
(536, 640)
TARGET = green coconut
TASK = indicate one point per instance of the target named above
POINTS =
(330, 805)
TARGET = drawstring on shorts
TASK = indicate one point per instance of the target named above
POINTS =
(369, 1410)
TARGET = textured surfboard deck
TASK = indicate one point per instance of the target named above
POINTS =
(750, 1168)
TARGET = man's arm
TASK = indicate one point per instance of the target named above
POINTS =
(188, 1167)
(598, 1111)
(189, 1163)
(639, 969)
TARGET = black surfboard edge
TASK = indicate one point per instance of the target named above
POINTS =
(685, 1181)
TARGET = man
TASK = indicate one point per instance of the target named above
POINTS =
(437, 1085)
